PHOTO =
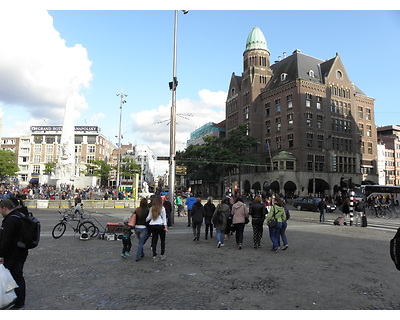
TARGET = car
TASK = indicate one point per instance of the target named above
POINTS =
(311, 204)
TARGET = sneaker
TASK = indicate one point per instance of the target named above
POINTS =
(128, 254)
(195, 238)
(285, 247)
(239, 247)
(155, 259)
(219, 245)
(163, 257)
(222, 244)
(123, 255)
(276, 249)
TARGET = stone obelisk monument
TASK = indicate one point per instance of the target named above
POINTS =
(65, 167)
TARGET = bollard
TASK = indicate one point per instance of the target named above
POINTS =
(352, 204)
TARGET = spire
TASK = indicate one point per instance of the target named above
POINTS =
(256, 40)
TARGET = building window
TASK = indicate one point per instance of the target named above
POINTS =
(36, 169)
(38, 148)
(319, 103)
(78, 139)
(310, 138)
(246, 113)
(268, 126)
(48, 158)
(89, 159)
(320, 119)
(360, 112)
(289, 101)
(320, 141)
(308, 100)
(278, 142)
(278, 123)
(278, 105)
(91, 139)
(369, 148)
(36, 158)
(368, 115)
(369, 131)
(49, 148)
(267, 109)
(309, 116)
(283, 76)
(289, 120)
(290, 140)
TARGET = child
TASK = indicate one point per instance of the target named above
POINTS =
(126, 239)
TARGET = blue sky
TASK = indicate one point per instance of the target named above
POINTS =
(98, 53)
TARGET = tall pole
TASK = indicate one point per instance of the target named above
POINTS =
(122, 101)
(172, 145)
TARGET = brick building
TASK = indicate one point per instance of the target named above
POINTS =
(314, 126)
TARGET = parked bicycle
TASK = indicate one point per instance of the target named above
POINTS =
(78, 212)
(81, 226)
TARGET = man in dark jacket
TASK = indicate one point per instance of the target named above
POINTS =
(197, 214)
(11, 255)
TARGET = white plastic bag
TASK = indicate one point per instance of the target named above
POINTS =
(7, 286)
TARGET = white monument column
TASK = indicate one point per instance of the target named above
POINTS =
(65, 168)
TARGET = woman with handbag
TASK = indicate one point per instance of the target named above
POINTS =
(257, 211)
(275, 218)
(158, 226)
(239, 215)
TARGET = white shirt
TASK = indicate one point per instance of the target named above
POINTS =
(161, 219)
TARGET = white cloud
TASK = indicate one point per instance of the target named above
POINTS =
(37, 70)
(151, 127)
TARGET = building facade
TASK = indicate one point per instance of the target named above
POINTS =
(389, 137)
(314, 126)
(43, 146)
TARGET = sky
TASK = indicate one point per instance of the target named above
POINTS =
(94, 52)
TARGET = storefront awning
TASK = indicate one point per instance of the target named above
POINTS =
(34, 181)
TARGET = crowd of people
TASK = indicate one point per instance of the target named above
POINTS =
(228, 218)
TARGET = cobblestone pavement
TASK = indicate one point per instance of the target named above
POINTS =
(325, 267)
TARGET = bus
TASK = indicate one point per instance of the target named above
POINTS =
(371, 191)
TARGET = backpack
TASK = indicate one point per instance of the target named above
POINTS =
(395, 249)
(30, 230)
(218, 219)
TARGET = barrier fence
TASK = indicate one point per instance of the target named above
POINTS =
(87, 204)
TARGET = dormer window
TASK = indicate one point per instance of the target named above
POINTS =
(283, 76)
(311, 73)
(339, 74)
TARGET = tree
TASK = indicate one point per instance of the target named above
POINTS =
(99, 168)
(219, 156)
(8, 166)
(129, 167)
(49, 167)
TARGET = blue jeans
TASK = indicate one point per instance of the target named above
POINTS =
(322, 215)
(283, 234)
(220, 235)
(141, 234)
(274, 234)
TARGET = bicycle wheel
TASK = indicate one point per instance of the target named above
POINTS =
(58, 230)
(85, 214)
(89, 228)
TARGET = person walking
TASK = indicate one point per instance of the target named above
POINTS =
(139, 222)
(322, 206)
(179, 204)
(346, 210)
(277, 212)
(157, 218)
(360, 211)
(189, 204)
(239, 215)
(11, 255)
(168, 209)
(209, 209)
(197, 214)
(257, 212)
(126, 238)
(284, 227)
(220, 220)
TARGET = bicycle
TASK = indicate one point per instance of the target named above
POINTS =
(81, 227)
(80, 212)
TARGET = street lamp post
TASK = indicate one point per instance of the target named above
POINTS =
(122, 101)
(172, 145)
